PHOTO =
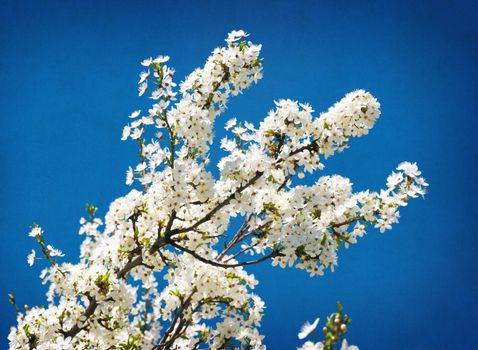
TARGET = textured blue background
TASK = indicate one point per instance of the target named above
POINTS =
(68, 73)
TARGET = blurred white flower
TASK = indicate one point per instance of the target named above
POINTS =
(31, 258)
(307, 328)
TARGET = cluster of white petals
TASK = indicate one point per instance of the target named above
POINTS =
(334, 330)
(166, 267)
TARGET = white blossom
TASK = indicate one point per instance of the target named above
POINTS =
(308, 345)
(346, 346)
(174, 223)
(35, 232)
(236, 35)
(147, 62)
(142, 88)
(161, 59)
(135, 114)
(129, 176)
(31, 258)
(54, 252)
(307, 328)
(143, 76)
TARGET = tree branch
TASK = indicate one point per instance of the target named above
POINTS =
(219, 206)
(234, 239)
(73, 331)
(165, 343)
(273, 254)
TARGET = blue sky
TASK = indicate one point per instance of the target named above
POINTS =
(68, 73)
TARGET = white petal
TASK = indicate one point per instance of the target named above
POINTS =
(307, 328)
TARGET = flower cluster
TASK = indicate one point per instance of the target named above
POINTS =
(334, 333)
(165, 269)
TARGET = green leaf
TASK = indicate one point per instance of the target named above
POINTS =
(11, 299)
